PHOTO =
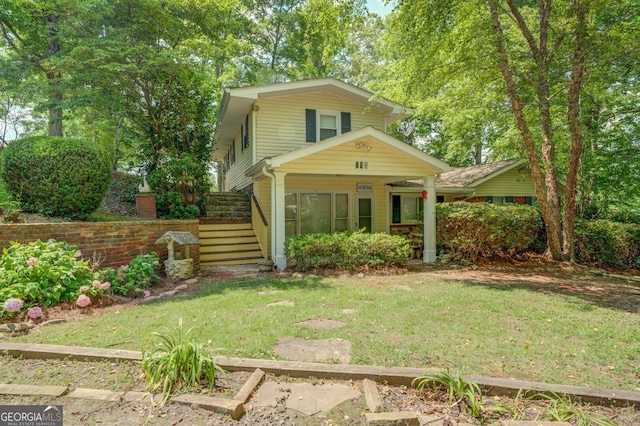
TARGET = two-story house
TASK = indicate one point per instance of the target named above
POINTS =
(317, 158)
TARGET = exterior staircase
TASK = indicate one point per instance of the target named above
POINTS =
(226, 235)
(228, 207)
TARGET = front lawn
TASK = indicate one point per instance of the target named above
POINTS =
(549, 333)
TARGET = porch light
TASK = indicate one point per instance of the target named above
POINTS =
(424, 195)
(361, 145)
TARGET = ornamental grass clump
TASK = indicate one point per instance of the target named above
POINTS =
(178, 363)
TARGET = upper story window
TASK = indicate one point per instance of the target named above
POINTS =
(328, 127)
(322, 125)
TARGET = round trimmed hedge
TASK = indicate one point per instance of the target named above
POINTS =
(56, 176)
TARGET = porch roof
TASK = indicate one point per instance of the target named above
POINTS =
(358, 141)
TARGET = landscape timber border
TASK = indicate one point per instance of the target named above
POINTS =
(391, 375)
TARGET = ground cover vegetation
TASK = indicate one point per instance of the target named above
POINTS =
(529, 327)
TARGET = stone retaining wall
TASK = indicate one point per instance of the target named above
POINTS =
(115, 243)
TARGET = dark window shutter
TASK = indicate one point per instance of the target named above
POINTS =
(396, 208)
(245, 137)
(311, 125)
(345, 119)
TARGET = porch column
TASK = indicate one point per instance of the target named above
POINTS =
(429, 253)
(280, 260)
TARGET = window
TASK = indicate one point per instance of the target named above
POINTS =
(315, 213)
(406, 208)
(311, 212)
(290, 214)
(508, 200)
(322, 125)
(411, 208)
(245, 133)
(341, 213)
(328, 126)
(439, 198)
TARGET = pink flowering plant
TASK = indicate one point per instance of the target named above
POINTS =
(42, 273)
(138, 275)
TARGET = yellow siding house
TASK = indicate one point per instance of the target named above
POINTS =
(316, 156)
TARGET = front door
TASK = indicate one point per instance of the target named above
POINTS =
(365, 215)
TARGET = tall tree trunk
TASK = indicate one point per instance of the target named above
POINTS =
(550, 214)
(53, 77)
(575, 128)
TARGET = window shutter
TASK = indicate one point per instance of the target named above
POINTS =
(345, 120)
(311, 125)
(245, 137)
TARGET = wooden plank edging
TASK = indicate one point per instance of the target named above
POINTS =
(391, 375)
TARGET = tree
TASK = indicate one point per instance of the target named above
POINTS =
(537, 55)
(31, 30)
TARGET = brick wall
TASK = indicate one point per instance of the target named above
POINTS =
(115, 242)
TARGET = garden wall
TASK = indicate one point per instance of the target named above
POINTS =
(115, 243)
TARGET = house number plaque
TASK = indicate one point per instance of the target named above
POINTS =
(364, 187)
(362, 165)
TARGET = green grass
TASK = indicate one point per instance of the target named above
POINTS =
(491, 330)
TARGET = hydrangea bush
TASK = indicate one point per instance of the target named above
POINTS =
(42, 273)
(138, 275)
(47, 272)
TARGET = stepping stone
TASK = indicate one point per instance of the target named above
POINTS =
(267, 292)
(309, 350)
(349, 311)
(403, 287)
(321, 323)
(306, 398)
(283, 303)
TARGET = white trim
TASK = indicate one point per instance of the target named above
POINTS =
(254, 136)
(429, 252)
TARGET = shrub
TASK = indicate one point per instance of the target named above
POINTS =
(140, 273)
(42, 273)
(56, 176)
(607, 243)
(472, 230)
(178, 363)
(346, 250)
(170, 206)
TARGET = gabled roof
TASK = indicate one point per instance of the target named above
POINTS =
(475, 175)
(237, 102)
(470, 176)
(435, 165)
